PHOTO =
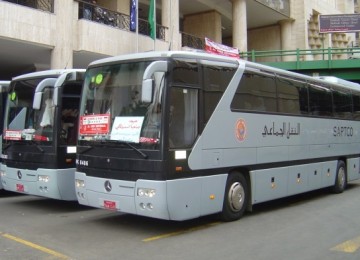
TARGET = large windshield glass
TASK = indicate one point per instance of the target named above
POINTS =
(112, 109)
(22, 122)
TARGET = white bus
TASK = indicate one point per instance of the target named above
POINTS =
(4, 85)
(40, 133)
(179, 135)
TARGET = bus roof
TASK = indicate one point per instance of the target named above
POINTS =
(4, 83)
(218, 58)
(163, 54)
(46, 73)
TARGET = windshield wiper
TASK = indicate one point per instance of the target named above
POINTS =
(104, 142)
(37, 146)
(144, 155)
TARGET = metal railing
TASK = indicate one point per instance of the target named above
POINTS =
(118, 20)
(302, 55)
(191, 41)
(44, 5)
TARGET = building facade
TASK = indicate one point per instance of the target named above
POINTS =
(51, 34)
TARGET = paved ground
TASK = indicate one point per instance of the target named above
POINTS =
(316, 225)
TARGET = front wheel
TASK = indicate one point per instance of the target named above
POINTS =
(236, 197)
(341, 179)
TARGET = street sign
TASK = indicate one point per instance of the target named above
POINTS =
(339, 23)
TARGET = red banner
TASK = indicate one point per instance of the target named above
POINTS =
(94, 124)
(220, 49)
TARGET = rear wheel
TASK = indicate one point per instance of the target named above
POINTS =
(341, 178)
(236, 197)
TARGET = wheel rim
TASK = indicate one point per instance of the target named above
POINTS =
(236, 196)
(341, 177)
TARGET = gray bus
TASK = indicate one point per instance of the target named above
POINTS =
(179, 135)
(40, 133)
(4, 85)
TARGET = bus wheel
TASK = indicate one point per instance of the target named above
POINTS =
(236, 197)
(340, 180)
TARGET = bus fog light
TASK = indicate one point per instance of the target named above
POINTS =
(142, 205)
(150, 206)
(144, 192)
(79, 183)
(43, 178)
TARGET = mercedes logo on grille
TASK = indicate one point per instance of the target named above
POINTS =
(19, 174)
(107, 186)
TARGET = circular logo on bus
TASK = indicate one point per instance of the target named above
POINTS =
(240, 130)
(107, 186)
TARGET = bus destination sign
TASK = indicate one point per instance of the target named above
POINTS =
(339, 23)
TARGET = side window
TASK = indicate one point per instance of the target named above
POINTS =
(185, 73)
(292, 96)
(183, 117)
(356, 104)
(342, 104)
(70, 113)
(320, 100)
(256, 92)
(216, 79)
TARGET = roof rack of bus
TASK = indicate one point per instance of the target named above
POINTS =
(53, 72)
(341, 82)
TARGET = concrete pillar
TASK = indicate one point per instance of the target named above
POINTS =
(207, 24)
(286, 43)
(62, 54)
(239, 25)
(170, 19)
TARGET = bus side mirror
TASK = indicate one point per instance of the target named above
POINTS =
(50, 82)
(147, 83)
(37, 100)
(146, 92)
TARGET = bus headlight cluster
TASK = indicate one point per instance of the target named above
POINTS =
(43, 178)
(144, 192)
(2, 174)
(79, 183)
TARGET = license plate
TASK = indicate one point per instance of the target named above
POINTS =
(111, 205)
(20, 188)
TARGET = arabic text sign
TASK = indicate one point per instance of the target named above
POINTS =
(286, 130)
(127, 128)
(12, 135)
(94, 124)
(339, 23)
(220, 49)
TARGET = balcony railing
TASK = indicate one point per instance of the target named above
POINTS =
(192, 41)
(44, 5)
(118, 20)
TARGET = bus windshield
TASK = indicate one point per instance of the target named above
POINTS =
(112, 110)
(22, 122)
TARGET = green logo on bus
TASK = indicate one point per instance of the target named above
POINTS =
(13, 96)
(99, 79)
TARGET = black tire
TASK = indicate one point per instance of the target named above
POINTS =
(236, 197)
(341, 178)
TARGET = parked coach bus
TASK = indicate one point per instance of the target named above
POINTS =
(3, 96)
(179, 135)
(40, 133)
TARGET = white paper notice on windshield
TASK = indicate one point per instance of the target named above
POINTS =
(127, 129)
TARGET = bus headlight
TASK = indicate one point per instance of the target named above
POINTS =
(144, 192)
(79, 183)
(43, 178)
(2, 173)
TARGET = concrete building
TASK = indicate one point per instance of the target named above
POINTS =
(43, 34)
